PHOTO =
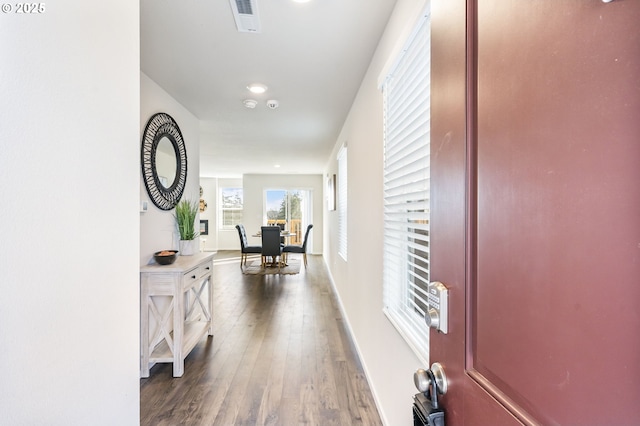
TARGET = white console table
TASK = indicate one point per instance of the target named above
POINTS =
(176, 306)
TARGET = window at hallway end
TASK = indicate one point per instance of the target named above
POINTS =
(231, 204)
(406, 100)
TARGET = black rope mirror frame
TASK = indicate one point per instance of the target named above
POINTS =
(159, 126)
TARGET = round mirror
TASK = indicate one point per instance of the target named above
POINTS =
(164, 161)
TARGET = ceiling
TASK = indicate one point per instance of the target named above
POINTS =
(312, 56)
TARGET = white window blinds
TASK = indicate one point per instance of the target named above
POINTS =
(231, 210)
(342, 202)
(406, 93)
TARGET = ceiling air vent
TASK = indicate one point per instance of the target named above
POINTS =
(245, 13)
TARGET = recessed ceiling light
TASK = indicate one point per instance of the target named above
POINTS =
(301, 1)
(257, 88)
(277, 166)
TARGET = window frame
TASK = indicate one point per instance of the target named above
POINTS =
(406, 179)
(223, 209)
(342, 192)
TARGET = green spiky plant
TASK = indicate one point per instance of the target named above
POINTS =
(185, 216)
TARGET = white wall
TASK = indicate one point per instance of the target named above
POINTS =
(69, 169)
(157, 227)
(387, 359)
(254, 187)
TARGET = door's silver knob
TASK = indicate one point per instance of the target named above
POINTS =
(421, 380)
(441, 378)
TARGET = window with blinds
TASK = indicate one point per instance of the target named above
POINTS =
(342, 202)
(231, 207)
(406, 94)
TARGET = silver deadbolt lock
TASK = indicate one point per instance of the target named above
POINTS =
(438, 313)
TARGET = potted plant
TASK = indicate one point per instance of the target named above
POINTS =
(185, 215)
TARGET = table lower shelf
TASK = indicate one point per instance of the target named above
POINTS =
(193, 332)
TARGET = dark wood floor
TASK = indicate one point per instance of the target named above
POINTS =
(280, 355)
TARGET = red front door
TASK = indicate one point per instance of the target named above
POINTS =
(536, 209)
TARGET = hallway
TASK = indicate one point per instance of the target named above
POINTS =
(280, 355)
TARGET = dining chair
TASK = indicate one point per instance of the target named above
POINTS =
(299, 249)
(271, 244)
(244, 248)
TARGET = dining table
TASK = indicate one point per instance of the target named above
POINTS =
(284, 234)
